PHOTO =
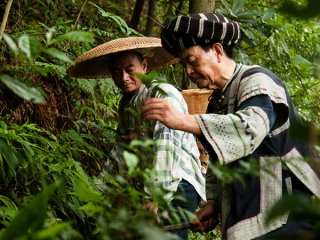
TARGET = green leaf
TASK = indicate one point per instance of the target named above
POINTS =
(58, 54)
(148, 79)
(299, 60)
(85, 192)
(22, 90)
(304, 65)
(9, 155)
(227, 6)
(117, 20)
(131, 161)
(8, 209)
(52, 231)
(49, 34)
(12, 45)
(7, 202)
(268, 14)
(79, 36)
(248, 36)
(27, 148)
(237, 6)
(31, 218)
(284, 45)
(158, 91)
(152, 75)
(3, 125)
(30, 46)
(91, 209)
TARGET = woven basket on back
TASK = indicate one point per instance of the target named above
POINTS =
(197, 101)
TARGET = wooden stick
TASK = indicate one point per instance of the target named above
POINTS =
(176, 227)
(5, 18)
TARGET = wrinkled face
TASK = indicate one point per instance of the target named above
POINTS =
(201, 66)
(123, 68)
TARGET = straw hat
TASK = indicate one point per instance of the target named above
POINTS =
(94, 63)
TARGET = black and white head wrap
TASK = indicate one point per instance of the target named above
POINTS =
(199, 29)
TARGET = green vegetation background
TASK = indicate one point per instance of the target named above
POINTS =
(56, 132)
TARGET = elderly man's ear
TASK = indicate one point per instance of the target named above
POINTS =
(218, 48)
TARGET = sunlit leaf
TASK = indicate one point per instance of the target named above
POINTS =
(91, 209)
(12, 45)
(49, 34)
(79, 36)
(30, 46)
(58, 54)
(85, 192)
(22, 90)
(3, 125)
(131, 161)
(52, 231)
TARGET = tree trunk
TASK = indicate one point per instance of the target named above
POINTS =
(201, 6)
(136, 14)
(150, 18)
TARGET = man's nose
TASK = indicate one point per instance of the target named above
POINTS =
(125, 76)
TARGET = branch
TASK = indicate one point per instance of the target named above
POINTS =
(5, 18)
(78, 17)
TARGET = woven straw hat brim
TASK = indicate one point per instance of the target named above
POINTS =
(94, 63)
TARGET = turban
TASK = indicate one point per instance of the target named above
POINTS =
(199, 29)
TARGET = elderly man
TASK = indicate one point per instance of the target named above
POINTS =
(177, 164)
(249, 116)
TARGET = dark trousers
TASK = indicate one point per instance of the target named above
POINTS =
(190, 202)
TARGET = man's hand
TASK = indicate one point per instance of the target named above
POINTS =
(153, 208)
(162, 110)
(206, 218)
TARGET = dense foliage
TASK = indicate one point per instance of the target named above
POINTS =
(56, 132)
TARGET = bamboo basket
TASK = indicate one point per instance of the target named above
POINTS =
(197, 101)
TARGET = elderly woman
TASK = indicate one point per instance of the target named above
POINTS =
(249, 117)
